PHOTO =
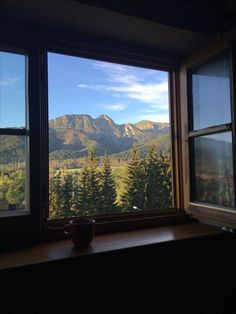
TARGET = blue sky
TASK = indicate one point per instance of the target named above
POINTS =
(12, 90)
(125, 93)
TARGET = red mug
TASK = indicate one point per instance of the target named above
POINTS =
(81, 231)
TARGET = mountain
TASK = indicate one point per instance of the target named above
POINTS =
(103, 125)
(72, 135)
(12, 149)
(149, 125)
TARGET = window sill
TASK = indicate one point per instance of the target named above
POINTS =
(46, 253)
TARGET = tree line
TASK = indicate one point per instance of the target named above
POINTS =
(93, 190)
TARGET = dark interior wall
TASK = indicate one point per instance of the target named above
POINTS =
(194, 276)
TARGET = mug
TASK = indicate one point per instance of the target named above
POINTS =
(81, 231)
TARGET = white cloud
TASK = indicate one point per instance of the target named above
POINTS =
(154, 94)
(118, 73)
(83, 85)
(8, 81)
(116, 107)
(124, 82)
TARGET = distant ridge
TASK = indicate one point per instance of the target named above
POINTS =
(70, 136)
(78, 132)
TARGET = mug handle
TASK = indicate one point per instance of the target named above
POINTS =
(67, 229)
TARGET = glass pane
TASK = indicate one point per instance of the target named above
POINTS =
(12, 90)
(214, 169)
(13, 174)
(109, 138)
(211, 94)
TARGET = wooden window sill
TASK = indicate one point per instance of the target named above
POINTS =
(109, 243)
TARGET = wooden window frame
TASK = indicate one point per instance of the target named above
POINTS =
(35, 43)
(25, 132)
(23, 227)
(206, 213)
(125, 221)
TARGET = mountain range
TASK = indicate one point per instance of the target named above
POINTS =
(72, 135)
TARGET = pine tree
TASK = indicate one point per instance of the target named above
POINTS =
(158, 186)
(75, 195)
(83, 192)
(134, 196)
(165, 162)
(93, 184)
(66, 195)
(152, 180)
(55, 197)
(89, 190)
(108, 188)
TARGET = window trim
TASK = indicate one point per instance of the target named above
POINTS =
(91, 53)
(26, 225)
(204, 212)
(34, 41)
(25, 132)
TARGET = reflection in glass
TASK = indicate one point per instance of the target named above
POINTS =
(13, 173)
(12, 90)
(211, 94)
(214, 169)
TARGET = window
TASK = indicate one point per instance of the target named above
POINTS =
(109, 138)
(102, 116)
(209, 150)
(14, 135)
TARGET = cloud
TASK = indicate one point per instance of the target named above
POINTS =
(117, 73)
(8, 81)
(83, 86)
(132, 83)
(155, 94)
(96, 87)
(116, 107)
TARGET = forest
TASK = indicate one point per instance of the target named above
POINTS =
(98, 185)
(145, 184)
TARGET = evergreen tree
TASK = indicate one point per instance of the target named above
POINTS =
(89, 190)
(166, 184)
(75, 195)
(108, 188)
(158, 180)
(83, 193)
(134, 196)
(66, 195)
(152, 180)
(55, 197)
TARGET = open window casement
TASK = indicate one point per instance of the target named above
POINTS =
(207, 83)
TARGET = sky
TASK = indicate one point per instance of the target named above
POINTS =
(124, 93)
(12, 90)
